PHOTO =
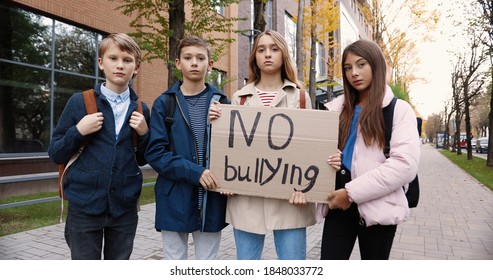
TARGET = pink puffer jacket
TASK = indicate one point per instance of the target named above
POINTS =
(376, 181)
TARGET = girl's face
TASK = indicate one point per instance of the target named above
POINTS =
(268, 55)
(358, 72)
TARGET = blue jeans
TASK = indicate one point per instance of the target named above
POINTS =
(290, 244)
(85, 234)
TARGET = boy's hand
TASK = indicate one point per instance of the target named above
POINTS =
(208, 180)
(214, 111)
(90, 123)
(138, 122)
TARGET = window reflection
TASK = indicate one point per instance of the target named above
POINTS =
(75, 49)
(28, 96)
(26, 37)
(65, 86)
(25, 107)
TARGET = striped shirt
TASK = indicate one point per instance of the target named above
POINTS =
(197, 110)
(266, 96)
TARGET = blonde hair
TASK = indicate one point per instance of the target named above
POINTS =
(288, 70)
(371, 120)
(124, 42)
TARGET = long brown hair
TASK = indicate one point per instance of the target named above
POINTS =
(371, 120)
(288, 70)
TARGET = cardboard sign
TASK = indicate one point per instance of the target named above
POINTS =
(271, 152)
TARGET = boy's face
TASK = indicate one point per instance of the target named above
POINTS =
(118, 67)
(194, 63)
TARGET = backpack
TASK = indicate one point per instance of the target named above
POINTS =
(412, 193)
(91, 108)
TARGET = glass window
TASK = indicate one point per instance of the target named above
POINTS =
(216, 6)
(34, 87)
(290, 34)
(25, 109)
(70, 40)
(268, 14)
(26, 37)
(319, 62)
(65, 86)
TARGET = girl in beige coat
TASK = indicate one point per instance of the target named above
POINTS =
(272, 83)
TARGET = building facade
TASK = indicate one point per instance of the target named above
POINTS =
(48, 51)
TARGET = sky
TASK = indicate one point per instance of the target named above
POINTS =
(437, 61)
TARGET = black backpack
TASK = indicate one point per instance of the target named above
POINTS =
(412, 193)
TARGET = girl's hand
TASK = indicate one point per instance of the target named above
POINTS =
(138, 122)
(90, 123)
(339, 199)
(335, 160)
(297, 198)
(214, 111)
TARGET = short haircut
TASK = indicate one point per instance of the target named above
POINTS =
(124, 42)
(195, 42)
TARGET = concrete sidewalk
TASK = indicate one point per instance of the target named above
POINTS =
(454, 220)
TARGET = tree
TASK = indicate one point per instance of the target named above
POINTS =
(487, 20)
(396, 39)
(320, 20)
(472, 84)
(159, 34)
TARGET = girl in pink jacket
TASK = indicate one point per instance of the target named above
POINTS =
(369, 201)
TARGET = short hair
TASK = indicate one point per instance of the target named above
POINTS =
(196, 42)
(124, 42)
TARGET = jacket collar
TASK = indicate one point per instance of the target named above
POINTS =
(249, 89)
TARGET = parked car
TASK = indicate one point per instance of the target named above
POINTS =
(473, 142)
(482, 145)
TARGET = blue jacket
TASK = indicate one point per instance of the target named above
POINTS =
(177, 185)
(106, 177)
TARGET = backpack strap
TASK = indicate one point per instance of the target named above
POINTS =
(135, 135)
(170, 103)
(91, 107)
(388, 117)
(302, 99)
(242, 100)
(90, 101)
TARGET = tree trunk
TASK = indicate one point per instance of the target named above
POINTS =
(176, 26)
(489, 158)
(313, 57)
(467, 119)
(299, 40)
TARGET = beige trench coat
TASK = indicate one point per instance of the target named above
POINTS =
(258, 214)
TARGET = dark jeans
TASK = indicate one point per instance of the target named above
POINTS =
(341, 228)
(87, 234)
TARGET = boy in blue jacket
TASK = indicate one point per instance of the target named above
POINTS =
(183, 202)
(104, 183)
